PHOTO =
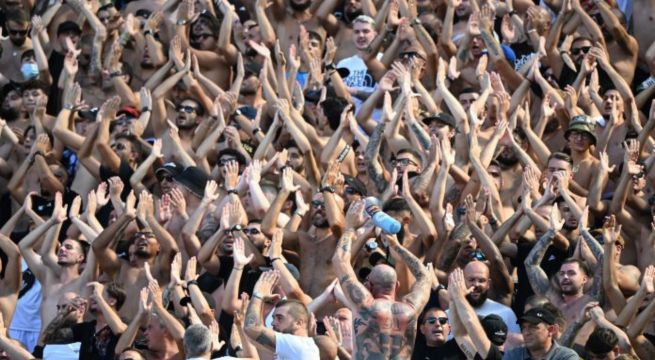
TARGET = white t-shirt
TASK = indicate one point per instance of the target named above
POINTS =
(62, 351)
(359, 79)
(292, 347)
(493, 307)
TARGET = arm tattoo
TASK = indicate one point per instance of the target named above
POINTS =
(570, 333)
(491, 43)
(253, 315)
(536, 275)
(372, 150)
(421, 135)
(595, 247)
(420, 291)
(265, 340)
(413, 263)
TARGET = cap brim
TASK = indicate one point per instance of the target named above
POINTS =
(531, 320)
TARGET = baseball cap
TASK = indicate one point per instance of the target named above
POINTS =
(495, 328)
(441, 117)
(129, 111)
(582, 123)
(193, 179)
(170, 168)
(537, 315)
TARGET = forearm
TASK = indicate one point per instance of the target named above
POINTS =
(375, 171)
(127, 338)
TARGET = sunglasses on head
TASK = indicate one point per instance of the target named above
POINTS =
(252, 231)
(584, 49)
(478, 255)
(318, 203)
(433, 320)
(186, 108)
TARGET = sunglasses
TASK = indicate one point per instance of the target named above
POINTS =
(584, 49)
(17, 32)
(230, 231)
(166, 178)
(638, 176)
(224, 162)
(202, 36)
(478, 255)
(405, 162)
(186, 108)
(433, 320)
(252, 231)
(410, 55)
(318, 204)
(118, 146)
(351, 191)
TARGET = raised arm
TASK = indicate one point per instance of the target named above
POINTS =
(254, 326)
(537, 276)
(355, 292)
(107, 258)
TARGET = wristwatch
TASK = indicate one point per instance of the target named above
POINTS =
(236, 227)
(181, 22)
(327, 188)
(416, 21)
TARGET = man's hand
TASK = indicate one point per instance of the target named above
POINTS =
(647, 285)
(97, 288)
(555, 221)
(457, 285)
(59, 212)
(178, 202)
(264, 286)
(191, 272)
(145, 302)
(605, 163)
(286, 181)
(176, 271)
(211, 192)
(331, 174)
(232, 175)
(275, 250)
(155, 294)
(355, 217)
(239, 255)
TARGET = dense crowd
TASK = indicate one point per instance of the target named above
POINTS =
(327, 179)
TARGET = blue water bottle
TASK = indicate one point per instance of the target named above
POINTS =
(380, 219)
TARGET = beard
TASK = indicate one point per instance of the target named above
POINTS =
(477, 302)
(350, 16)
(571, 290)
(320, 222)
(18, 42)
(566, 226)
(9, 114)
(186, 126)
(147, 65)
(551, 126)
(300, 7)
(248, 92)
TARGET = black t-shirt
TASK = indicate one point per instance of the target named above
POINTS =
(493, 354)
(124, 172)
(448, 351)
(95, 345)
(56, 65)
(568, 76)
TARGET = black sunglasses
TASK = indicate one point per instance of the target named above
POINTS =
(433, 320)
(186, 108)
(166, 178)
(252, 231)
(230, 231)
(202, 36)
(224, 162)
(478, 255)
(17, 32)
(584, 49)
(351, 191)
(318, 203)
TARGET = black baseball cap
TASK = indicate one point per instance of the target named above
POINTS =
(193, 179)
(538, 315)
(170, 168)
(441, 117)
(495, 328)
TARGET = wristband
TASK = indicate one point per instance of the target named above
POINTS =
(256, 295)
(191, 282)
(512, 13)
(116, 74)
(416, 21)
(439, 288)
(237, 268)
(343, 153)
(256, 130)
(275, 258)
(145, 109)
(69, 106)
(297, 213)
(233, 191)
(328, 188)
(329, 67)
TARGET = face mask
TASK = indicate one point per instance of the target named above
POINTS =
(29, 70)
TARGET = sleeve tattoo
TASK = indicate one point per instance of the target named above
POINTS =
(536, 275)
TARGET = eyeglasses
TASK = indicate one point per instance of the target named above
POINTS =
(433, 320)
(405, 162)
(17, 32)
(252, 231)
(186, 108)
(202, 36)
(577, 51)
(166, 178)
(118, 146)
(579, 134)
(223, 162)
(318, 204)
(638, 176)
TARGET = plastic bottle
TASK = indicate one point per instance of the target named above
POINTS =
(380, 219)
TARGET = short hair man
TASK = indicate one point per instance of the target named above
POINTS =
(538, 329)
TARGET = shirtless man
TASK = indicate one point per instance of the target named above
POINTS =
(341, 29)
(567, 290)
(643, 23)
(383, 327)
(316, 271)
(18, 24)
(59, 273)
(10, 284)
(580, 137)
(154, 251)
(287, 21)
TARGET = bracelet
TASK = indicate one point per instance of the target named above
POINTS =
(298, 213)
(275, 258)
(237, 268)
(145, 109)
(191, 282)
(256, 295)
(147, 32)
(256, 130)
(233, 191)
(116, 74)
(69, 106)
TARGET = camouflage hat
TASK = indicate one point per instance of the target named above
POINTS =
(582, 123)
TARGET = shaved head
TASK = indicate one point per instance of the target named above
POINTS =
(382, 279)
(476, 275)
(476, 267)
